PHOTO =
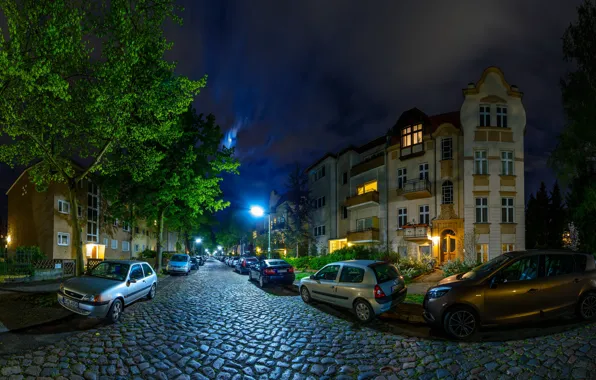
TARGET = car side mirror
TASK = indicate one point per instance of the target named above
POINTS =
(313, 277)
(132, 281)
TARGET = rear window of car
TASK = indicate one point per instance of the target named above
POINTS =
(251, 260)
(179, 258)
(385, 272)
(276, 262)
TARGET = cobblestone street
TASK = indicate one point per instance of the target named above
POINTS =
(216, 324)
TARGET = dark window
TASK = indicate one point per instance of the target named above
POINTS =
(523, 269)
(484, 115)
(328, 273)
(136, 273)
(447, 192)
(136, 230)
(558, 265)
(580, 263)
(345, 178)
(147, 269)
(344, 212)
(446, 148)
(385, 272)
(351, 275)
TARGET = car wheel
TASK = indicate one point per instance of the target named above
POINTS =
(151, 294)
(249, 276)
(115, 311)
(261, 282)
(305, 295)
(587, 306)
(364, 312)
(460, 323)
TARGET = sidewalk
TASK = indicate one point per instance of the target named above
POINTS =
(421, 284)
(29, 287)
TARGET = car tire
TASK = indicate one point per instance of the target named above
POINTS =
(151, 294)
(364, 312)
(249, 276)
(305, 295)
(586, 307)
(261, 282)
(115, 311)
(461, 323)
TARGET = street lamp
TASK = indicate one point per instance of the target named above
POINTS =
(197, 241)
(258, 211)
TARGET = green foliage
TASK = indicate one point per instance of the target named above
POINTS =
(297, 231)
(29, 254)
(545, 218)
(411, 267)
(458, 266)
(16, 269)
(148, 254)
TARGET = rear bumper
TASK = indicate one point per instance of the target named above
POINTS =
(382, 305)
(173, 270)
(285, 279)
(89, 309)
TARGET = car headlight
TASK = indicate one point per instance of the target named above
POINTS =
(438, 292)
(62, 288)
(92, 298)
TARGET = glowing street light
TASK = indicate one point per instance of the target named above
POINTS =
(219, 247)
(198, 241)
(258, 211)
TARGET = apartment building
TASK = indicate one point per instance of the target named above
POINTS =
(448, 185)
(43, 219)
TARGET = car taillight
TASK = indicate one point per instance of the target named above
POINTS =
(290, 270)
(379, 293)
(269, 271)
(244, 264)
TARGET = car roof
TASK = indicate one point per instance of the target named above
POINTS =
(359, 263)
(531, 252)
(125, 261)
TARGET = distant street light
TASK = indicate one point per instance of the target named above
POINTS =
(258, 211)
(198, 241)
(219, 247)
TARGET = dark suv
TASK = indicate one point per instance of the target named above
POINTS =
(514, 287)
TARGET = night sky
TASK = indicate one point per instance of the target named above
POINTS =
(291, 80)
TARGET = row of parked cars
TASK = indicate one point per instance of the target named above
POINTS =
(262, 271)
(514, 287)
(184, 264)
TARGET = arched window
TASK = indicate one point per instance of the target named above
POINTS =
(447, 192)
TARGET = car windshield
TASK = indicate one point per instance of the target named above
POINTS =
(486, 268)
(179, 258)
(385, 272)
(110, 270)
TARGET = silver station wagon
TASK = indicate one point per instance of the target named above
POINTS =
(107, 288)
(368, 287)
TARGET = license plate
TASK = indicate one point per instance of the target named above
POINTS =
(282, 271)
(70, 303)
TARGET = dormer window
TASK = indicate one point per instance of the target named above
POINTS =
(502, 116)
(411, 136)
(484, 114)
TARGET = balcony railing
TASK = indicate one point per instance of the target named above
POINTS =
(364, 235)
(416, 189)
(371, 197)
(416, 232)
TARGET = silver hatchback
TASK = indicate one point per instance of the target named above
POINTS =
(107, 288)
(366, 286)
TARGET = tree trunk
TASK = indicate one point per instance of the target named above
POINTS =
(160, 224)
(297, 250)
(131, 227)
(77, 241)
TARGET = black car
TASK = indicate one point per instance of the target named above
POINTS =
(273, 271)
(194, 263)
(243, 265)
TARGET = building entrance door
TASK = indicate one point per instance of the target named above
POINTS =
(448, 246)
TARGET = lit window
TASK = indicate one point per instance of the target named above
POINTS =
(367, 187)
(502, 116)
(63, 238)
(423, 171)
(507, 248)
(482, 253)
(411, 136)
(446, 148)
(480, 162)
(63, 207)
(507, 210)
(481, 210)
(507, 163)
(447, 192)
(401, 178)
(424, 211)
(484, 113)
(402, 217)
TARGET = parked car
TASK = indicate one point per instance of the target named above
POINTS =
(194, 263)
(274, 271)
(514, 287)
(202, 260)
(244, 263)
(367, 287)
(107, 288)
(179, 264)
(234, 261)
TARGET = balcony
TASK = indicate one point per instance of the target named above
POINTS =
(419, 232)
(416, 189)
(370, 198)
(367, 235)
(367, 165)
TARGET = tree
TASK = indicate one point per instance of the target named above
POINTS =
(571, 237)
(574, 157)
(470, 241)
(297, 233)
(542, 216)
(557, 218)
(531, 222)
(78, 79)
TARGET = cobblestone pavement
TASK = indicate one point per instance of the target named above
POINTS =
(216, 325)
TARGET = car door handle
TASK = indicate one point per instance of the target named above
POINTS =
(532, 290)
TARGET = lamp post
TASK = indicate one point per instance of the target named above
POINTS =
(258, 212)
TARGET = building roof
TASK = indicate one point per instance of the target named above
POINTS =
(327, 155)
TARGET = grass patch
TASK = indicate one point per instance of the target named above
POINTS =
(301, 275)
(414, 298)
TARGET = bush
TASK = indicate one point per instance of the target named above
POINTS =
(411, 267)
(29, 254)
(458, 266)
(148, 254)
(347, 253)
(16, 269)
